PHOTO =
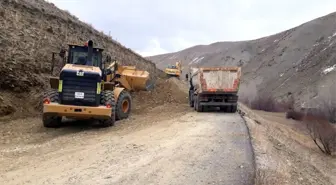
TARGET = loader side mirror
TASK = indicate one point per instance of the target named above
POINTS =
(62, 53)
(186, 76)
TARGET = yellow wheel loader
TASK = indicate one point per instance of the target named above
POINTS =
(88, 88)
(174, 70)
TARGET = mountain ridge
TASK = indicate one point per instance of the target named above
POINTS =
(289, 62)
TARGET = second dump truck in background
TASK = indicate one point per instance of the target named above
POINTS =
(214, 87)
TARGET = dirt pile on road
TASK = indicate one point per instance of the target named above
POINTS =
(299, 60)
(30, 30)
(166, 91)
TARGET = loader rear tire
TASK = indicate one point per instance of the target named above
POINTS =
(124, 104)
(107, 97)
(51, 121)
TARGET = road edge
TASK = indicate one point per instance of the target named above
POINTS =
(242, 114)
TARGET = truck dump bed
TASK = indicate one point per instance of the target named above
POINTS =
(216, 79)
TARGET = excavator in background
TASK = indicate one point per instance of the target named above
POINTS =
(174, 70)
(90, 88)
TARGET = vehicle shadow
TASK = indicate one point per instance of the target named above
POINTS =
(216, 110)
(72, 127)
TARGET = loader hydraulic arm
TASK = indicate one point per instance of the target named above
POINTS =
(111, 72)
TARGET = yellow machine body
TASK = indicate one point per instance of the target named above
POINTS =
(74, 110)
(174, 70)
(114, 77)
(130, 78)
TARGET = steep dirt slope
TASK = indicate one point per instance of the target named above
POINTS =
(30, 30)
(298, 60)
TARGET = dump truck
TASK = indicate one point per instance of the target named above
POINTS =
(90, 88)
(174, 70)
(214, 87)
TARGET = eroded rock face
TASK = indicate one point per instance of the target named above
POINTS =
(30, 30)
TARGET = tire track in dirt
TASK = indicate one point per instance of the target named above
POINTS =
(170, 144)
(189, 149)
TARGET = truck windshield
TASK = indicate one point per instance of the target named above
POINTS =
(81, 58)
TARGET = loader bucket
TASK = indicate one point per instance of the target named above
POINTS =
(138, 80)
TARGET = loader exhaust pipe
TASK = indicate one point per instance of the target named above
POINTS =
(90, 51)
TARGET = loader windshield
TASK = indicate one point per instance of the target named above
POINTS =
(81, 58)
(172, 67)
(78, 55)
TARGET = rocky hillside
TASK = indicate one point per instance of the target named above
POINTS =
(30, 30)
(300, 60)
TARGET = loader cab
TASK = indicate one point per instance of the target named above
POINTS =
(172, 67)
(79, 55)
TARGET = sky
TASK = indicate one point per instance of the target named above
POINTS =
(152, 27)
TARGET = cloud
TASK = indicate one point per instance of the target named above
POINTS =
(153, 48)
(153, 26)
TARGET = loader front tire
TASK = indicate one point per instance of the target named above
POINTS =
(124, 104)
(51, 121)
(107, 98)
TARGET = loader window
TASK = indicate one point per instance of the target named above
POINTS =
(173, 67)
(81, 58)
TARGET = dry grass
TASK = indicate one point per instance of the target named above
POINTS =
(268, 103)
(316, 120)
(295, 115)
(284, 154)
(268, 177)
(322, 133)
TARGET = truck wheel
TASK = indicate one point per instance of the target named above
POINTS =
(124, 104)
(223, 108)
(51, 121)
(195, 102)
(191, 94)
(199, 107)
(107, 97)
(234, 108)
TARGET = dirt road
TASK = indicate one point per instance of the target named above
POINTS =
(171, 144)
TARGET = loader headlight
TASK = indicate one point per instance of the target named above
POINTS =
(98, 88)
(60, 85)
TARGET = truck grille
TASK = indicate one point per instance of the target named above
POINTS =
(88, 86)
